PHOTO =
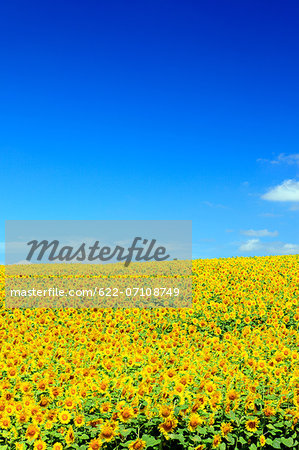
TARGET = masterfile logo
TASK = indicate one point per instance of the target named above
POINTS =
(98, 263)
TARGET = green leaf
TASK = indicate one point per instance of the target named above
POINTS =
(253, 447)
(149, 440)
(279, 424)
(83, 436)
(242, 441)
(276, 443)
(222, 446)
(287, 441)
(125, 432)
(231, 415)
(230, 439)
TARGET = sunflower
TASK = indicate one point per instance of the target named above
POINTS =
(10, 409)
(39, 445)
(165, 411)
(52, 415)
(103, 385)
(57, 446)
(210, 387)
(22, 417)
(232, 395)
(179, 388)
(216, 441)
(42, 385)
(269, 411)
(69, 403)
(55, 391)
(25, 387)
(44, 401)
(262, 440)
(251, 425)
(49, 425)
(200, 403)
(139, 444)
(126, 414)
(226, 428)
(79, 421)
(70, 436)
(5, 422)
(168, 426)
(105, 407)
(194, 421)
(95, 444)
(32, 432)
(107, 432)
(64, 417)
(20, 446)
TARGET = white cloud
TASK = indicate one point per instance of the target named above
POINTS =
(291, 248)
(271, 248)
(259, 233)
(282, 158)
(250, 246)
(269, 215)
(287, 159)
(288, 191)
(214, 205)
(23, 262)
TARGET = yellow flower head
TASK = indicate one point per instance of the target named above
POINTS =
(194, 421)
(57, 446)
(262, 440)
(64, 417)
(251, 425)
(168, 426)
(39, 445)
(139, 444)
(226, 428)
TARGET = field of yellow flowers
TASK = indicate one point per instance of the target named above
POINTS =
(223, 374)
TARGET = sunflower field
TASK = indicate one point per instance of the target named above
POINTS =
(222, 374)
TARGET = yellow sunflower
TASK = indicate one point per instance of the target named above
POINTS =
(251, 425)
(64, 416)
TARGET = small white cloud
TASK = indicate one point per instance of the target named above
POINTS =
(269, 248)
(282, 158)
(24, 261)
(287, 159)
(291, 248)
(214, 205)
(269, 215)
(288, 191)
(250, 246)
(259, 233)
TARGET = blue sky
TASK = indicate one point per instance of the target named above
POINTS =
(154, 110)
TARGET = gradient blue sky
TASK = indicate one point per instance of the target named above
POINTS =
(154, 110)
